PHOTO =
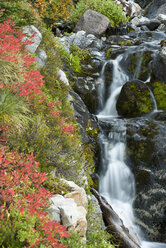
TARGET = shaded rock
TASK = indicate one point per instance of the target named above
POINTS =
(134, 100)
(155, 8)
(114, 223)
(151, 24)
(93, 23)
(146, 151)
(34, 36)
(159, 65)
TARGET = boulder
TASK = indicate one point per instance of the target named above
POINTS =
(32, 35)
(134, 99)
(93, 23)
(71, 209)
(151, 24)
(159, 92)
(159, 65)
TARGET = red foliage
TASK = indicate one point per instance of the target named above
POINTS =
(21, 186)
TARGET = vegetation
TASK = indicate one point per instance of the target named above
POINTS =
(109, 8)
(38, 130)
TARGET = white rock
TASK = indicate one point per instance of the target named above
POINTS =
(62, 77)
(162, 18)
(29, 31)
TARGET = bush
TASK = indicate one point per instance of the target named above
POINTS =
(109, 8)
(19, 11)
(53, 11)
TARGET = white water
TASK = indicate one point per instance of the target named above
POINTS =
(117, 183)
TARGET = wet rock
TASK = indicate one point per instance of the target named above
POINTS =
(159, 92)
(151, 24)
(162, 18)
(93, 23)
(83, 40)
(156, 7)
(34, 36)
(146, 157)
(134, 100)
(159, 65)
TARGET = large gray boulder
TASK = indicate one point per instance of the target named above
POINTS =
(155, 8)
(93, 23)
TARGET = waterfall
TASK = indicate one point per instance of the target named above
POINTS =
(116, 181)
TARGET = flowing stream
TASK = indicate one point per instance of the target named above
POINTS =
(116, 181)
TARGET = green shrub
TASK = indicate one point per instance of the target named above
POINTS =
(19, 11)
(109, 8)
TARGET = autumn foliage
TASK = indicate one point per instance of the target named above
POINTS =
(24, 220)
(24, 200)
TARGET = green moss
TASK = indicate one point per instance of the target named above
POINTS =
(108, 53)
(139, 65)
(159, 91)
(125, 43)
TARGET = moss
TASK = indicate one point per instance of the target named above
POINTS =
(159, 91)
(134, 100)
(108, 53)
(142, 60)
(125, 43)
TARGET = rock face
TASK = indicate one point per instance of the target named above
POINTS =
(146, 151)
(156, 7)
(93, 23)
(159, 65)
(134, 100)
(71, 209)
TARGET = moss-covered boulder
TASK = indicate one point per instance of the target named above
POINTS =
(134, 100)
(159, 92)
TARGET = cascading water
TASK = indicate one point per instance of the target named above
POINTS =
(116, 182)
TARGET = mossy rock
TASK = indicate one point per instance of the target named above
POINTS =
(159, 91)
(143, 59)
(134, 100)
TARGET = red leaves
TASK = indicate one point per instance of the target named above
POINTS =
(21, 188)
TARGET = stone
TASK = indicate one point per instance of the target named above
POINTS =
(93, 23)
(83, 40)
(159, 65)
(78, 194)
(41, 58)
(155, 8)
(152, 24)
(71, 209)
(36, 39)
(162, 18)
(134, 99)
